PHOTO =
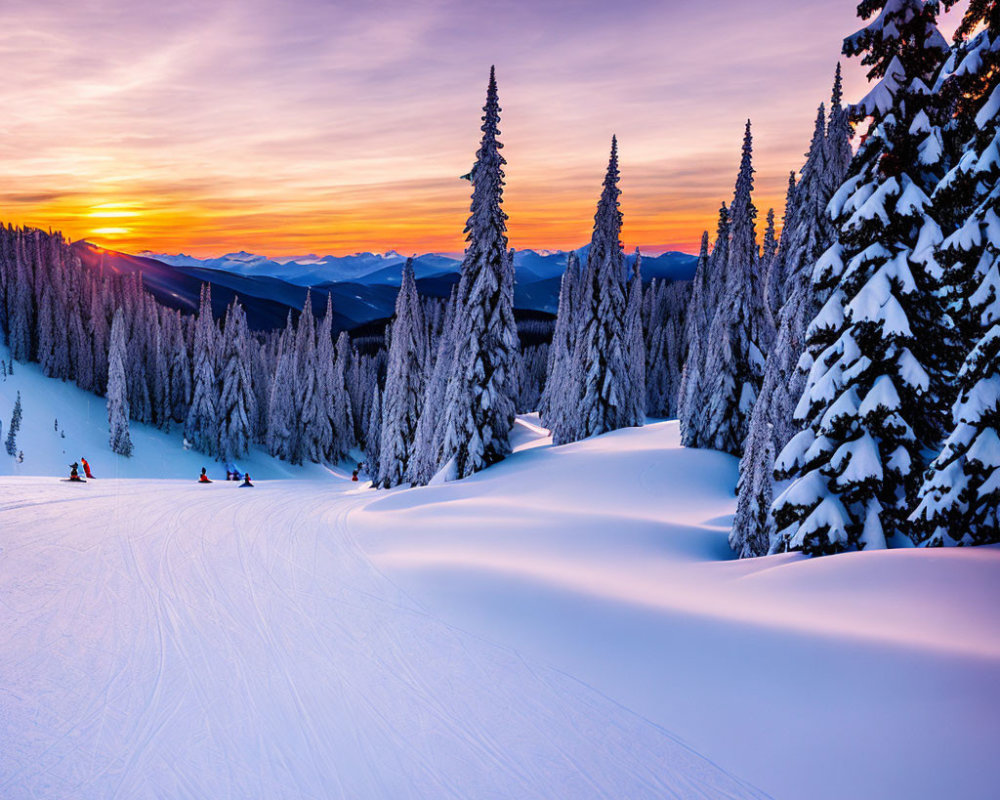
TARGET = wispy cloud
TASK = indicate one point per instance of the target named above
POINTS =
(285, 125)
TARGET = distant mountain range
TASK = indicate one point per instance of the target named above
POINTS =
(363, 285)
(531, 266)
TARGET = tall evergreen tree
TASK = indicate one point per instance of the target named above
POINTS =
(558, 401)
(404, 384)
(959, 501)
(14, 427)
(479, 401)
(281, 413)
(869, 408)
(741, 332)
(118, 410)
(342, 409)
(429, 434)
(635, 343)
(201, 427)
(237, 401)
(601, 357)
(695, 335)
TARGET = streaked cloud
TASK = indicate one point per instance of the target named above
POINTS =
(298, 125)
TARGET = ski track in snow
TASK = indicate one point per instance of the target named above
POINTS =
(162, 639)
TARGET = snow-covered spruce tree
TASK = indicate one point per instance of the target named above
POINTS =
(326, 378)
(428, 438)
(741, 332)
(118, 436)
(99, 335)
(281, 412)
(160, 384)
(635, 343)
(315, 434)
(479, 402)
(179, 367)
(838, 137)
(710, 279)
(373, 432)
(21, 310)
(960, 496)
(404, 385)
(772, 422)
(775, 289)
(869, 409)
(14, 427)
(768, 253)
(81, 355)
(201, 427)
(558, 397)
(601, 359)
(341, 408)
(695, 332)
(237, 401)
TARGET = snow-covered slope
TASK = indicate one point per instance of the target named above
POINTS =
(83, 433)
(565, 624)
(865, 675)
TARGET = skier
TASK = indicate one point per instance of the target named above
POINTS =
(203, 478)
(74, 475)
(86, 467)
(246, 481)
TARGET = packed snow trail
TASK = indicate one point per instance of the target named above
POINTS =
(165, 639)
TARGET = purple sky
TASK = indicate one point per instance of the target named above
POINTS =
(297, 126)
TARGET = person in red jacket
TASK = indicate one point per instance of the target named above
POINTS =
(86, 467)
(203, 478)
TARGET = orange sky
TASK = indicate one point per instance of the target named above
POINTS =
(325, 127)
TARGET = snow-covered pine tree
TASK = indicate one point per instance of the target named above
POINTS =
(635, 343)
(601, 361)
(838, 137)
(772, 422)
(118, 412)
(237, 401)
(742, 331)
(558, 397)
(14, 427)
(373, 432)
(160, 395)
(429, 434)
(776, 290)
(479, 402)
(326, 377)
(709, 279)
(99, 335)
(315, 434)
(80, 354)
(768, 253)
(341, 407)
(960, 498)
(21, 310)
(869, 405)
(281, 413)
(179, 367)
(960, 495)
(201, 427)
(404, 385)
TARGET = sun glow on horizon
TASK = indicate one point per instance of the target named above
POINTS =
(304, 127)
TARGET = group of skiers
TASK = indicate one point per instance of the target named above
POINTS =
(74, 470)
(231, 475)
